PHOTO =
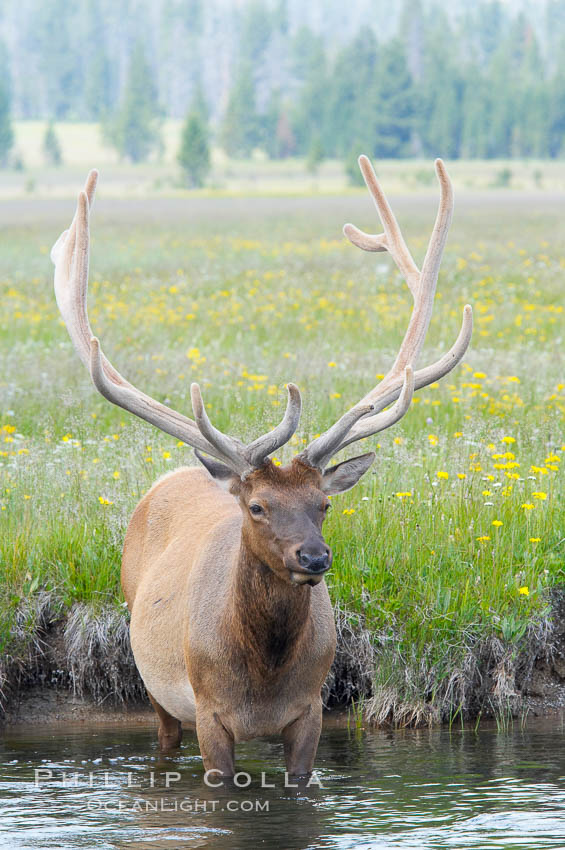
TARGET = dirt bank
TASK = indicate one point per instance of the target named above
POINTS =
(78, 666)
(40, 705)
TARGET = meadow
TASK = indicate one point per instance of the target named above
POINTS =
(83, 145)
(446, 551)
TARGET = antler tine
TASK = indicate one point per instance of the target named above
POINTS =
(320, 455)
(70, 254)
(424, 295)
(320, 450)
(435, 371)
(106, 379)
(136, 402)
(423, 288)
(71, 275)
(448, 361)
(402, 394)
(399, 383)
(67, 239)
(391, 240)
(268, 443)
(229, 450)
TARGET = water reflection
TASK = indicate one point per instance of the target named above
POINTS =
(108, 787)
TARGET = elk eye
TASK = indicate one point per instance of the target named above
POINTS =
(256, 509)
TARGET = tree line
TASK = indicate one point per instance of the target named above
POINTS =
(484, 82)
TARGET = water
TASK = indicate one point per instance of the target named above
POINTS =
(407, 789)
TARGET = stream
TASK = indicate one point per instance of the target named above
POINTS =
(107, 786)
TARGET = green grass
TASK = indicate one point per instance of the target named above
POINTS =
(244, 296)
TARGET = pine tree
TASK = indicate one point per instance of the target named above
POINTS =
(58, 55)
(267, 126)
(286, 143)
(503, 76)
(199, 102)
(276, 134)
(392, 117)
(440, 92)
(240, 130)
(351, 164)
(194, 153)
(134, 130)
(99, 86)
(351, 95)
(556, 116)
(99, 80)
(6, 132)
(532, 121)
(256, 31)
(475, 112)
(315, 155)
(309, 115)
(52, 146)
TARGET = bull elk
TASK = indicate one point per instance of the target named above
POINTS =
(231, 622)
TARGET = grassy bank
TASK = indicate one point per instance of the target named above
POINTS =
(446, 549)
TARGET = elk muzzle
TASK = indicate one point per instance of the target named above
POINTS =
(308, 561)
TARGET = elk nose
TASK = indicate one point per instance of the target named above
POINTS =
(317, 562)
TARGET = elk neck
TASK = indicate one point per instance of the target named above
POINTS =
(269, 619)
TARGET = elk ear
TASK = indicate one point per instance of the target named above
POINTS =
(222, 474)
(344, 476)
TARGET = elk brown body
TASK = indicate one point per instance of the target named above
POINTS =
(242, 649)
(223, 564)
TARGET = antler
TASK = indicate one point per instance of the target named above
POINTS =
(400, 383)
(70, 254)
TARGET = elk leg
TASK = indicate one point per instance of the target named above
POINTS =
(170, 729)
(300, 740)
(216, 743)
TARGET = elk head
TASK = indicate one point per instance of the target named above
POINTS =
(283, 507)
